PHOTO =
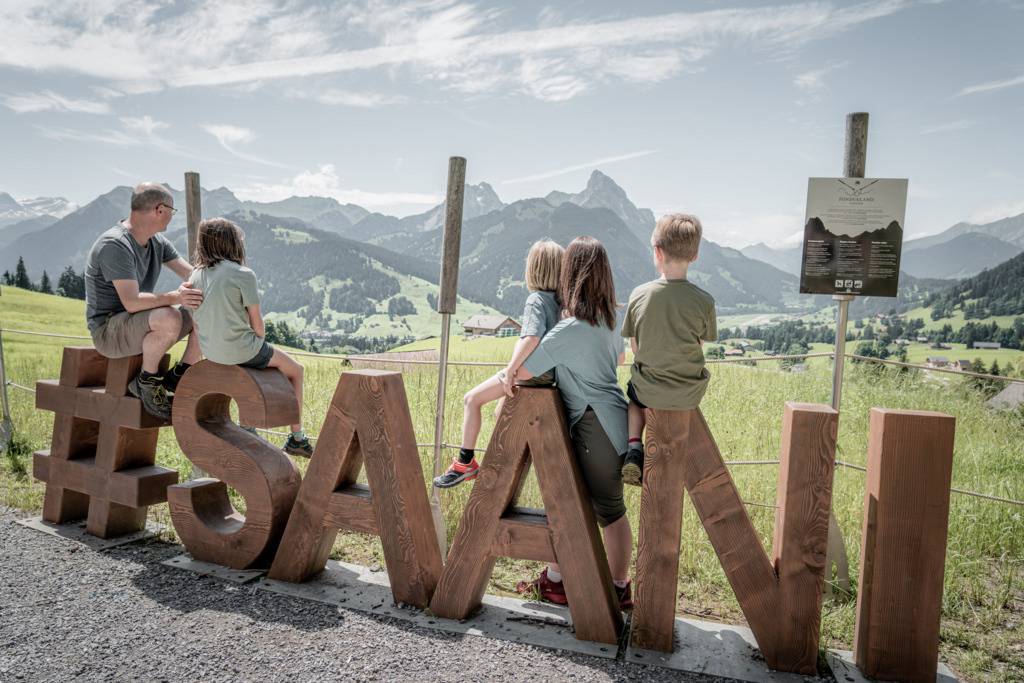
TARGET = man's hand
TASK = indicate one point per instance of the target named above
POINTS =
(507, 377)
(189, 296)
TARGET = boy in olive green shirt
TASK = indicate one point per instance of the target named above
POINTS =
(666, 321)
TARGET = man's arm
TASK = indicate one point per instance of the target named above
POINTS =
(181, 267)
(256, 320)
(134, 301)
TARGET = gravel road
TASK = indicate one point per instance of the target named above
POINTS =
(67, 612)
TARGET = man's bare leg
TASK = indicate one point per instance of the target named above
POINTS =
(164, 326)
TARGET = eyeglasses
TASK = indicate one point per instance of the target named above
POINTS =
(169, 208)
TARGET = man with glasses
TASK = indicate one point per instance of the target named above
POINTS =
(125, 317)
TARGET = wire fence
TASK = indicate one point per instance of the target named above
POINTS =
(743, 360)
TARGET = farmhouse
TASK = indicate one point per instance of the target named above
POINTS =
(734, 352)
(491, 326)
(987, 345)
(937, 361)
(964, 365)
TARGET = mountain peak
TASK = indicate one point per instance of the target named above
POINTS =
(8, 202)
(598, 181)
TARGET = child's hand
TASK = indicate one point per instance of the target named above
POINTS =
(508, 382)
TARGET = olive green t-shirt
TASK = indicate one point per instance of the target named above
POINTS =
(225, 335)
(669, 319)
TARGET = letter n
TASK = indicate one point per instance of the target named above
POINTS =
(368, 422)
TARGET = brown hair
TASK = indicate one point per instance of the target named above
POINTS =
(678, 236)
(586, 285)
(219, 240)
(543, 265)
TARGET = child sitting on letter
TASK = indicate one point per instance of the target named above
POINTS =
(229, 322)
(543, 265)
(667, 320)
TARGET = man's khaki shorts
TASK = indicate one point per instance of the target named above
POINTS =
(123, 332)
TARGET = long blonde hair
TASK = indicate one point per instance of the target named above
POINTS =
(543, 266)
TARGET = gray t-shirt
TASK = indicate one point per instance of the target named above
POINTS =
(225, 334)
(540, 314)
(585, 358)
(116, 255)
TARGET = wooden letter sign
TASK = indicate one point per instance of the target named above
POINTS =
(209, 527)
(368, 423)
(101, 459)
(531, 425)
(780, 596)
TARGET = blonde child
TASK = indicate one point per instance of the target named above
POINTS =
(666, 321)
(543, 265)
(229, 322)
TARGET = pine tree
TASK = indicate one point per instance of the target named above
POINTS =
(71, 284)
(8, 280)
(44, 284)
(21, 275)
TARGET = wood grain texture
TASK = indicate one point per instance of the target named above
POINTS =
(368, 424)
(531, 425)
(193, 212)
(781, 596)
(903, 551)
(210, 529)
(452, 238)
(101, 463)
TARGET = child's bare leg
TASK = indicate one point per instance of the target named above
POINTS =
(294, 372)
(636, 419)
(485, 392)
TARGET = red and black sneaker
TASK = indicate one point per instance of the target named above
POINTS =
(546, 589)
(625, 596)
(457, 473)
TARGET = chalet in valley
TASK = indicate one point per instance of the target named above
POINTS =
(491, 326)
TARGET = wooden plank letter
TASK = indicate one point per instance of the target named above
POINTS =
(209, 527)
(101, 462)
(903, 552)
(369, 423)
(531, 425)
(781, 595)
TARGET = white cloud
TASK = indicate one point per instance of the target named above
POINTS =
(228, 136)
(962, 124)
(323, 181)
(991, 85)
(997, 211)
(139, 48)
(146, 125)
(350, 98)
(47, 100)
(814, 81)
(579, 167)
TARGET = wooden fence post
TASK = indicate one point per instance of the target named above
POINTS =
(903, 552)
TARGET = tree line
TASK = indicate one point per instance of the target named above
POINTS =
(69, 284)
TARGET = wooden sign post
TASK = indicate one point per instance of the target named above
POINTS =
(369, 423)
(101, 462)
(210, 528)
(779, 595)
(903, 551)
(531, 426)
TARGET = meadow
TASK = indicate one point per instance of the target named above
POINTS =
(983, 605)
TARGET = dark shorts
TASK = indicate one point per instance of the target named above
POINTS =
(261, 359)
(545, 380)
(122, 333)
(601, 466)
(631, 394)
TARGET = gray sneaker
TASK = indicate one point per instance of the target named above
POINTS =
(153, 396)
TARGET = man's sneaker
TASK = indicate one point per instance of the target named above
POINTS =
(302, 449)
(625, 596)
(171, 378)
(457, 473)
(153, 396)
(546, 589)
(633, 467)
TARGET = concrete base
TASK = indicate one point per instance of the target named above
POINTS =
(717, 649)
(356, 587)
(845, 670)
(215, 570)
(75, 531)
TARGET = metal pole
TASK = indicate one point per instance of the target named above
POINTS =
(446, 306)
(855, 156)
(6, 425)
(193, 216)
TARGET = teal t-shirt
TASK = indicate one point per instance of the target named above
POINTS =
(585, 358)
(540, 314)
(225, 334)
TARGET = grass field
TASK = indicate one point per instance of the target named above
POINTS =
(983, 604)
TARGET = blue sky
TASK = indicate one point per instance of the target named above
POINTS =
(717, 108)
